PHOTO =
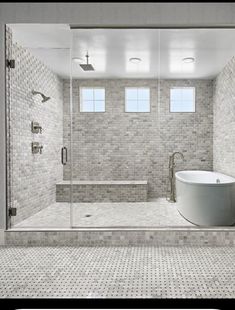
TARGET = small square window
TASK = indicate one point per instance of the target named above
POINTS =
(92, 99)
(182, 99)
(137, 99)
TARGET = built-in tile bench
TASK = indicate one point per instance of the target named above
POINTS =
(102, 191)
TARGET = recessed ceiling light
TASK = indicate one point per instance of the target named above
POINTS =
(135, 60)
(77, 59)
(188, 60)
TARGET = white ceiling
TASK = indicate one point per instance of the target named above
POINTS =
(161, 51)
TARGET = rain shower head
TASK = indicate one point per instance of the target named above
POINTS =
(44, 98)
(87, 66)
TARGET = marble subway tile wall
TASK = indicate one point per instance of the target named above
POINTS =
(224, 120)
(34, 176)
(136, 146)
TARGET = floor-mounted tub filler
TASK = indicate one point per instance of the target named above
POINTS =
(206, 198)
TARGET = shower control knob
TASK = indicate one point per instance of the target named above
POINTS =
(36, 148)
(36, 128)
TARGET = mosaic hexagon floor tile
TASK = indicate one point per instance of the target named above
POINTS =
(117, 272)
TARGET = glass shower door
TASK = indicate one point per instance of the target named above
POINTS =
(38, 105)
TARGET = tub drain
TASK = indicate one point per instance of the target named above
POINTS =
(87, 215)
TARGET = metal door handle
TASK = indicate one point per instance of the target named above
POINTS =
(64, 159)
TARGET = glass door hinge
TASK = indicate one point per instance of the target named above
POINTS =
(11, 63)
(12, 212)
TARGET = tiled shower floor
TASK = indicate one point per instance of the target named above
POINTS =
(117, 272)
(158, 213)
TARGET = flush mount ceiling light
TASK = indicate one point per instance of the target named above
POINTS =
(188, 60)
(135, 60)
(77, 59)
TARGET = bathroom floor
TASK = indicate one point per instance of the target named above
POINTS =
(155, 213)
(117, 272)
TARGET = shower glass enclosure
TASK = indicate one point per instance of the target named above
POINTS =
(93, 116)
(76, 140)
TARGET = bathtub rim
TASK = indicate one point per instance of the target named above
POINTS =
(178, 178)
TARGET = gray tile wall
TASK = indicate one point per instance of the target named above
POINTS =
(224, 120)
(136, 146)
(33, 177)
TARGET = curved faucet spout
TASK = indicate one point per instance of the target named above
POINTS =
(181, 154)
(172, 158)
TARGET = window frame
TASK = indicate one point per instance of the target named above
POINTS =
(81, 98)
(137, 87)
(194, 98)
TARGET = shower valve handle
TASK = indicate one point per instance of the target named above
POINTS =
(35, 127)
(36, 148)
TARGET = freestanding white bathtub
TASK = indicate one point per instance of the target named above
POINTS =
(206, 198)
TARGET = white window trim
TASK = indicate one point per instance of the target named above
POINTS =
(81, 100)
(133, 87)
(194, 98)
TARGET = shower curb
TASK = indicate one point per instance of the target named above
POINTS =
(117, 237)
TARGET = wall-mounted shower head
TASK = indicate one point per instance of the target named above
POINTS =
(87, 66)
(44, 98)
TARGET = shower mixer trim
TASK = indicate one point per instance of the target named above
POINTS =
(36, 148)
(35, 127)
